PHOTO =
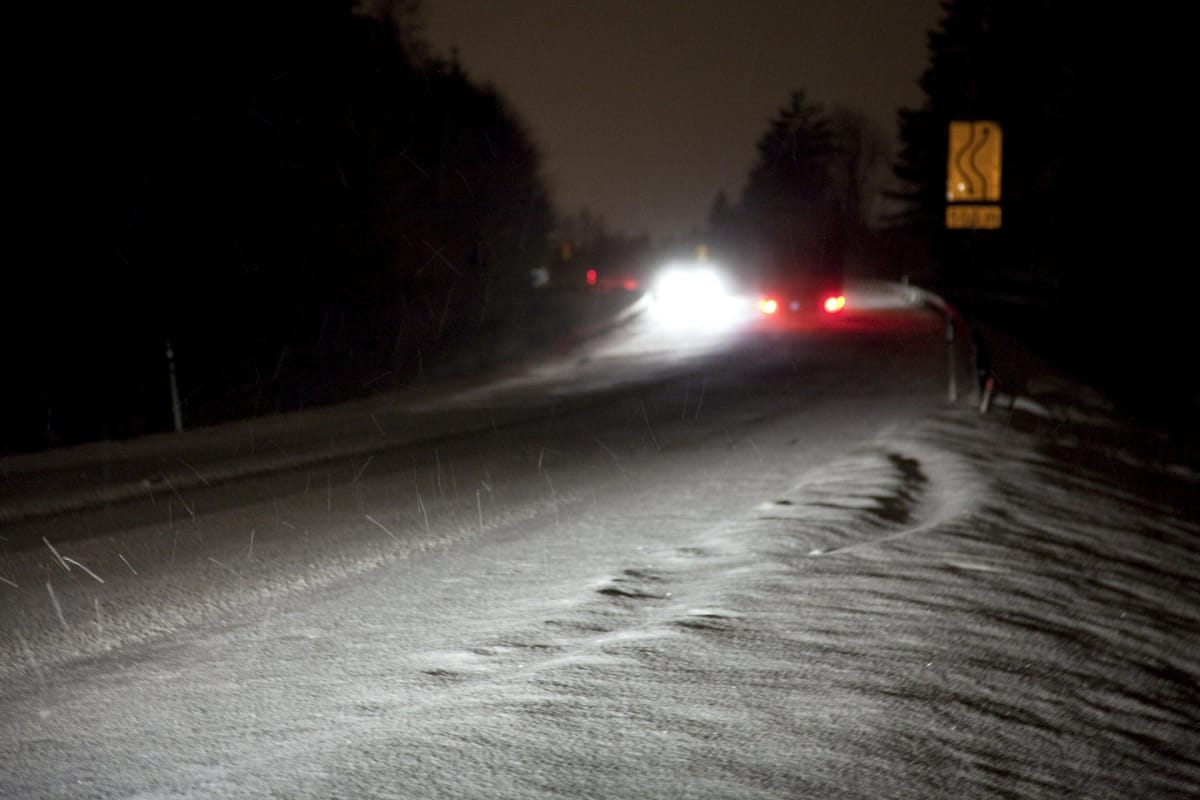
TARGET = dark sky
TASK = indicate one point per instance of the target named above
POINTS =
(644, 110)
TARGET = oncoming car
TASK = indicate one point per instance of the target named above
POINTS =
(693, 295)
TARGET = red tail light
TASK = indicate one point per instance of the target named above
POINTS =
(834, 303)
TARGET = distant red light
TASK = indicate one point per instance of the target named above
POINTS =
(834, 304)
(768, 305)
(630, 285)
(592, 277)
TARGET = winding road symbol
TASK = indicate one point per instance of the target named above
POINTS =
(973, 172)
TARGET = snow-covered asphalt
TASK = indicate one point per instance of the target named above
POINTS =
(661, 564)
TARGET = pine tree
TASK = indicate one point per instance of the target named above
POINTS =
(789, 202)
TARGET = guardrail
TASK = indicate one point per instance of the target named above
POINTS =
(980, 355)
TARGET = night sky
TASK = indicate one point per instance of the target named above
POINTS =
(645, 110)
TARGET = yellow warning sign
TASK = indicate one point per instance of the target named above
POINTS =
(973, 216)
(973, 171)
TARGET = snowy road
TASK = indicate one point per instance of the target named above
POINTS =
(660, 565)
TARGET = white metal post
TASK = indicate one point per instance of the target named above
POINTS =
(175, 409)
(953, 388)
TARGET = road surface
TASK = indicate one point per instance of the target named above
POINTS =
(657, 564)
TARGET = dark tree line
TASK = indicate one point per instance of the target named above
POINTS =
(1089, 254)
(292, 192)
(584, 244)
(803, 208)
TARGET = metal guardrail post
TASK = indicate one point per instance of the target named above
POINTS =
(986, 386)
(985, 402)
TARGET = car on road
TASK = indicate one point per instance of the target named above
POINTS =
(807, 298)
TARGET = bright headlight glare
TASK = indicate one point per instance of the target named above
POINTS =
(688, 285)
(692, 295)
